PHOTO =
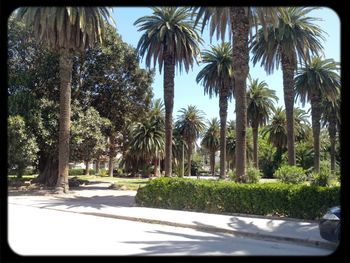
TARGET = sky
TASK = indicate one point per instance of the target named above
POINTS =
(188, 92)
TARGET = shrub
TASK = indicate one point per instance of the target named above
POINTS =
(80, 171)
(22, 145)
(323, 178)
(103, 172)
(290, 174)
(296, 201)
(253, 175)
(232, 175)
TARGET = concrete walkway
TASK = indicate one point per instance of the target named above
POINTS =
(98, 201)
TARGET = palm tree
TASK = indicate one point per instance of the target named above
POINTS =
(170, 39)
(179, 147)
(211, 142)
(314, 81)
(260, 103)
(239, 20)
(147, 142)
(295, 38)
(276, 130)
(217, 78)
(331, 118)
(66, 29)
(190, 125)
(302, 127)
(157, 115)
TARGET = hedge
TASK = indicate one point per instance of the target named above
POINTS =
(80, 171)
(295, 201)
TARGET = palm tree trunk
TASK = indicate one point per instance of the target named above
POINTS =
(288, 68)
(183, 160)
(66, 67)
(189, 155)
(155, 167)
(223, 120)
(212, 163)
(255, 145)
(316, 127)
(240, 61)
(332, 130)
(169, 74)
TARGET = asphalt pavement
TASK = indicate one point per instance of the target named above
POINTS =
(98, 200)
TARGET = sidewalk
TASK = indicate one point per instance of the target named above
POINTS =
(120, 205)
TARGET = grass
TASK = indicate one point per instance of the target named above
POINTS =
(129, 183)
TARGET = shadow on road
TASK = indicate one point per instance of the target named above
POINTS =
(218, 243)
(96, 201)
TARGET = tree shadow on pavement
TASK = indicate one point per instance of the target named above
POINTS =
(209, 243)
(96, 201)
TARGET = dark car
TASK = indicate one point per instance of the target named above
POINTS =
(330, 225)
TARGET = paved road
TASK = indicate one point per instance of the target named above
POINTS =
(35, 231)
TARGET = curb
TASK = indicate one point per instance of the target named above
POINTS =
(258, 235)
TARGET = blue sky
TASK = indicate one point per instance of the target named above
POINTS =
(187, 91)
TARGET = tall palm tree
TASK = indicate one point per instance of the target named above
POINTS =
(190, 125)
(217, 78)
(260, 103)
(170, 39)
(316, 80)
(239, 20)
(211, 141)
(331, 119)
(68, 30)
(147, 142)
(295, 38)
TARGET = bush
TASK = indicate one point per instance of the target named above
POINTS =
(290, 174)
(296, 201)
(253, 175)
(232, 175)
(80, 171)
(103, 172)
(323, 178)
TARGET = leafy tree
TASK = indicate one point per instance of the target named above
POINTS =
(316, 80)
(260, 103)
(169, 39)
(295, 38)
(88, 138)
(190, 124)
(211, 141)
(217, 78)
(22, 146)
(73, 29)
(110, 79)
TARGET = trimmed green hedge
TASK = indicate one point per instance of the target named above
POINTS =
(80, 171)
(295, 201)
